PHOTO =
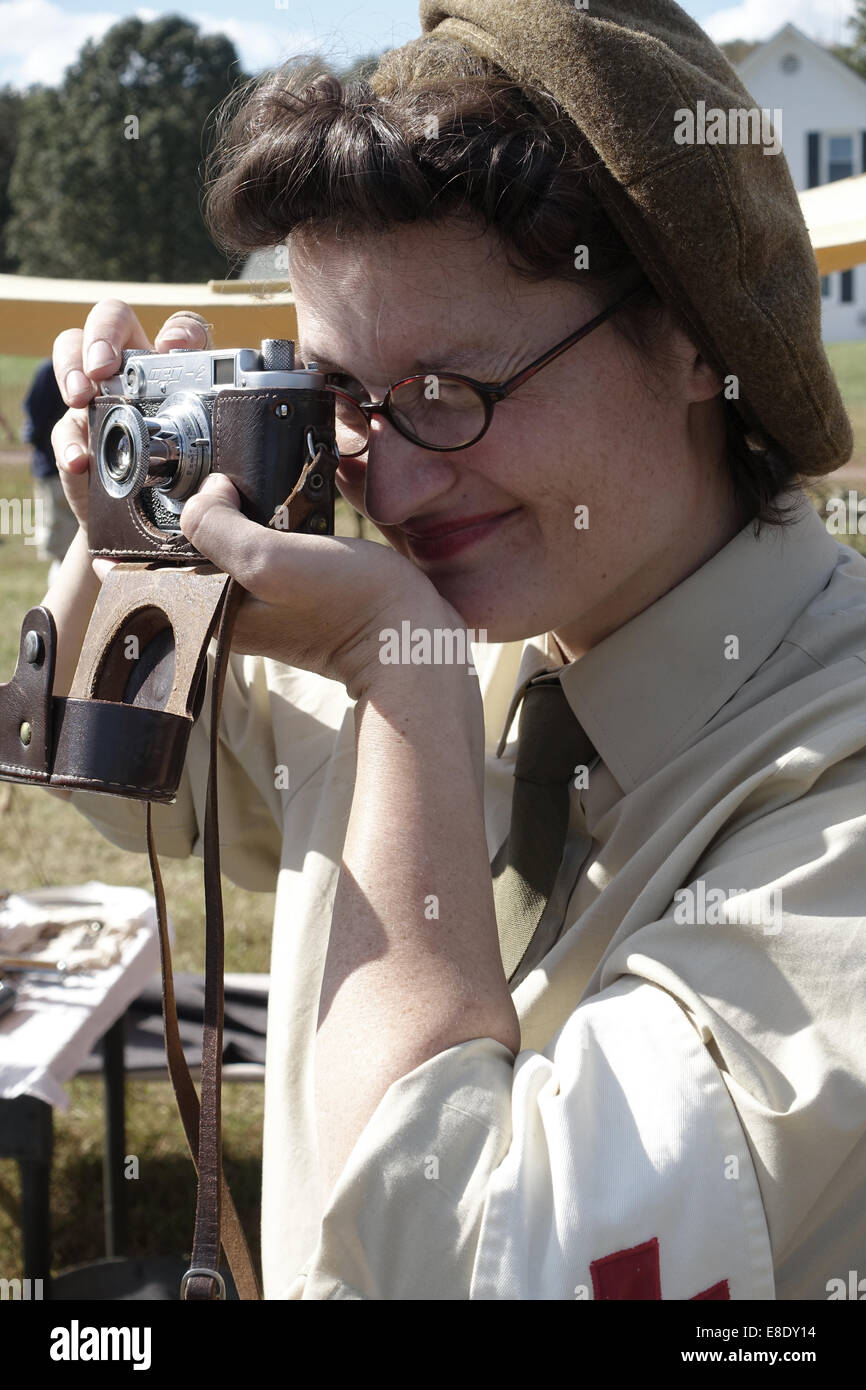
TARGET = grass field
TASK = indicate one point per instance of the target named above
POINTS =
(44, 842)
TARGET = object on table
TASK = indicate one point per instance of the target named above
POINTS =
(71, 930)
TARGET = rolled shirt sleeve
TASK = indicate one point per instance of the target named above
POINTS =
(610, 1165)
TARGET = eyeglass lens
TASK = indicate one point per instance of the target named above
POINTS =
(434, 410)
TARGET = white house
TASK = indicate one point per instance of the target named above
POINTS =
(823, 105)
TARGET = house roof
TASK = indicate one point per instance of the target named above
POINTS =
(786, 37)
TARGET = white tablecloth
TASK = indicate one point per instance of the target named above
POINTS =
(53, 1027)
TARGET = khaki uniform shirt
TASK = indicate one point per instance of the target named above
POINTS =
(686, 1118)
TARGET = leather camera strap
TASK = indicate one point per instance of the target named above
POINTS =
(217, 1220)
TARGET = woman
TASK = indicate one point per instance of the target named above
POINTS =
(636, 1070)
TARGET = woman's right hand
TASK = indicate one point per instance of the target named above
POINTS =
(85, 356)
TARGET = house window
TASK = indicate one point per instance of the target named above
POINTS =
(825, 286)
(840, 157)
(847, 295)
(790, 63)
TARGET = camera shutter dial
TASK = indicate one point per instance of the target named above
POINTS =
(278, 355)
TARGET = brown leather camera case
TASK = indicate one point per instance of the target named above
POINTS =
(252, 446)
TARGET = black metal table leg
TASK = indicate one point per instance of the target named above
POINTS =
(36, 1218)
(114, 1190)
(27, 1135)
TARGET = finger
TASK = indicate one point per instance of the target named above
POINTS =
(216, 487)
(110, 327)
(185, 329)
(75, 388)
(196, 521)
(69, 441)
(254, 555)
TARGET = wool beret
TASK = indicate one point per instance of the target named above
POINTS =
(684, 166)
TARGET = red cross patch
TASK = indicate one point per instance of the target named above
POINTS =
(634, 1274)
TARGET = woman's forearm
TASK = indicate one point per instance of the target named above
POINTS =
(413, 964)
(71, 600)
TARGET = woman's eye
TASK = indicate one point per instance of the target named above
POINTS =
(345, 382)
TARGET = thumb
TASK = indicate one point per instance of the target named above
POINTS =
(208, 512)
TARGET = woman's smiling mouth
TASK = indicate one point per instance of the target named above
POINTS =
(442, 539)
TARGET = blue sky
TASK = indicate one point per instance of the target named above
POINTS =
(40, 37)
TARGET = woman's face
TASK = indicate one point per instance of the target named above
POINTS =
(493, 526)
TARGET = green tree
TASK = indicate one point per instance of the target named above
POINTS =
(10, 113)
(106, 182)
(854, 54)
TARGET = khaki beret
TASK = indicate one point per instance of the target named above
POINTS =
(711, 215)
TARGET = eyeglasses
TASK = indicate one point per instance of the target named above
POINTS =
(443, 410)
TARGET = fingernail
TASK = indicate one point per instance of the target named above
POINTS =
(100, 354)
(180, 335)
(215, 483)
(72, 451)
(76, 383)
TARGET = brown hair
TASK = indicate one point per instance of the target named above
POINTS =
(298, 150)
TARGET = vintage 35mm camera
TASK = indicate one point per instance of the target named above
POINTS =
(167, 420)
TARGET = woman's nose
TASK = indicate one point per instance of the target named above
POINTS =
(402, 478)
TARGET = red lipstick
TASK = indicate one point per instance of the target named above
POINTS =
(439, 540)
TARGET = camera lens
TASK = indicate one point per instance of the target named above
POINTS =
(180, 448)
(122, 451)
(119, 454)
(169, 452)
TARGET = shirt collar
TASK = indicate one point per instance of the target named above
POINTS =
(644, 692)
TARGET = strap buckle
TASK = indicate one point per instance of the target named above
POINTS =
(211, 1274)
(315, 450)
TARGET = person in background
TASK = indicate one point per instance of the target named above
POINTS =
(56, 527)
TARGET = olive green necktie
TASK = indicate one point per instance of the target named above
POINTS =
(550, 745)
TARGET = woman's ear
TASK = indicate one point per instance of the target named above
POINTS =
(708, 382)
(685, 360)
(702, 380)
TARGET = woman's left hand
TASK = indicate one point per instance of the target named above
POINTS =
(316, 602)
